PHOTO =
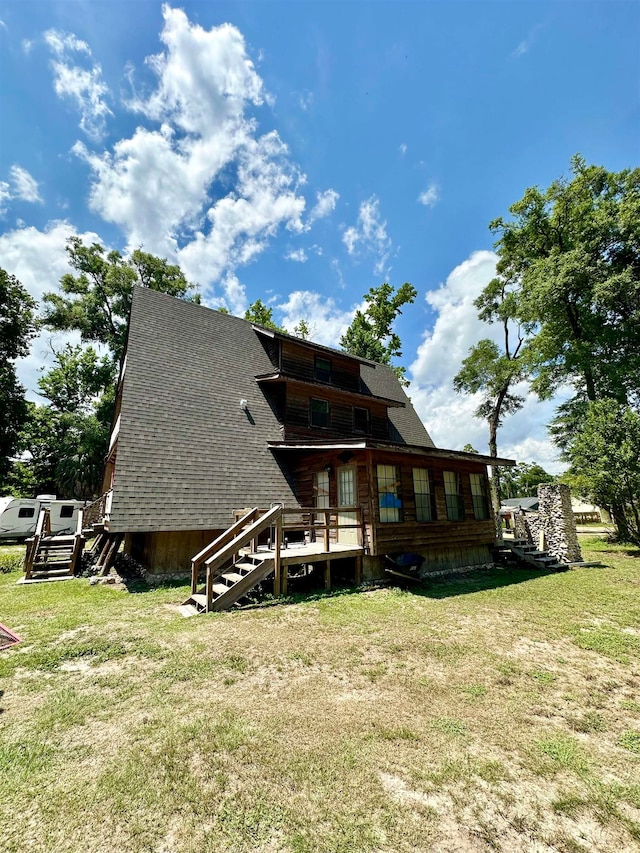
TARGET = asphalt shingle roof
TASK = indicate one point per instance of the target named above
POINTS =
(187, 453)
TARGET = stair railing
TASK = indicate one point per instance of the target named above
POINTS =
(43, 528)
(78, 543)
(227, 536)
(228, 552)
(99, 509)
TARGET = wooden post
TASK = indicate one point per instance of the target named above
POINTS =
(209, 589)
(284, 578)
(326, 530)
(327, 575)
(194, 577)
(358, 569)
(277, 557)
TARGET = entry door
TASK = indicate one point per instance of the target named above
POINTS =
(347, 491)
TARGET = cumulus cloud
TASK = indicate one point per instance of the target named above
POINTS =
(429, 196)
(369, 234)
(82, 85)
(38, 259)
(325, 204)
(24, 185)
(21, 185)
(326, 320)
(202, 187)
(298, 255)
(449, 416)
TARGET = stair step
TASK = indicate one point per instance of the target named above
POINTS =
(245, 566)
(232, 577)
(199, 598)
(188, 610)
(52, 573)
(220, 588)
(46, 564)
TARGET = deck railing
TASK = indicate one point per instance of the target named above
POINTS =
(98, 510)
(43, 528)
(312, 521)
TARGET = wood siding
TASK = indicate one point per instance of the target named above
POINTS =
(443, 543)
(299, 361)
(297, 422)
(168, 552)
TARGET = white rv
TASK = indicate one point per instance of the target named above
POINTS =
(19, 516)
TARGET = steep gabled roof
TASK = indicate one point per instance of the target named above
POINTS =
(187, 453)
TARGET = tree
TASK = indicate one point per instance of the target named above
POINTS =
(371, 334)
(259, 314)
(469, 448)
(302, 329)
(17, 327)
(522, 480)
(97, 301)
(492, 371)
(573, 251)
(605, 459)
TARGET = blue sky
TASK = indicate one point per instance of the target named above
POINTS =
(304, 152)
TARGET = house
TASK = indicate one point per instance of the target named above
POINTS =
(215, 415)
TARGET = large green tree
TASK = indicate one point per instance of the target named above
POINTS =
(17, 327)
(371, 333)
(605, 460)
(97, 300)
(574, 252)
(261, 315)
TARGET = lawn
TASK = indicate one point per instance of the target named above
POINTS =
(495, 713)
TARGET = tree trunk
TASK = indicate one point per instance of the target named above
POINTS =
(495, 469)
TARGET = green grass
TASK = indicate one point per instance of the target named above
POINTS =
(498, 712)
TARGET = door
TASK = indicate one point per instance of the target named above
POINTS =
(347, 491)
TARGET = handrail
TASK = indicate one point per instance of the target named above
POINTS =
(93, 512)
(229, 550)
(222, 540)
(78, 542)
(43, 527)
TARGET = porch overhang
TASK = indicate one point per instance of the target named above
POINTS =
(408, 449)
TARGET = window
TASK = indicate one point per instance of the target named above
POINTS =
(26, 512)
(360, 420)
(389, 499)
(425, 496)
(453, 496)
(319, 413)
(322, 369)
(66, 512)
(346, 485)
(479, 496)
(321, 489)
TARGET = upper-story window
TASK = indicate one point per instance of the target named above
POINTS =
(322, 369)
(453, 495)
(479, 496)
(361, 420)
(319, 413)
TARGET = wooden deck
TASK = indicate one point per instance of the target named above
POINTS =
(297, 553)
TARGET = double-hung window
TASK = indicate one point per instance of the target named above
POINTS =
(322, 369)
(424, 494)
(361, 420)
(479, 496)
(389, 495)
(453, 496)
(321, 489)
(319, 413)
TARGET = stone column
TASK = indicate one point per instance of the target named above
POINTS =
(557, 522)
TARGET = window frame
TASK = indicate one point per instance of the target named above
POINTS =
(321, 498)
(480, 500)
(321, 374)
(66, 511)
(367, 429)
(313, 425)
(26, 512)
(454, 500)
(427, 507)
(393, 514)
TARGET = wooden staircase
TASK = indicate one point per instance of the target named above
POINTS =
(48, 557)
(231, 572)
(519, 552)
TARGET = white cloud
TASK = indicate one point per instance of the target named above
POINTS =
(325, 204)
(369, 234)
(169, 188)
(25, 186)
(5, 197)
(38, 259)
(27, 46)
(429, 196)
(305, 100)
(327, 322)
(298, 255)
(525, 45)
(83, 86)
(402, 148)
(449, 416)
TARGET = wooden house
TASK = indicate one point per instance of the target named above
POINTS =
(215, 415)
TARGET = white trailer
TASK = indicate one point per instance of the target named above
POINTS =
(19, 516)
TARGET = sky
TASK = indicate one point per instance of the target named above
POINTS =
(304, 152)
